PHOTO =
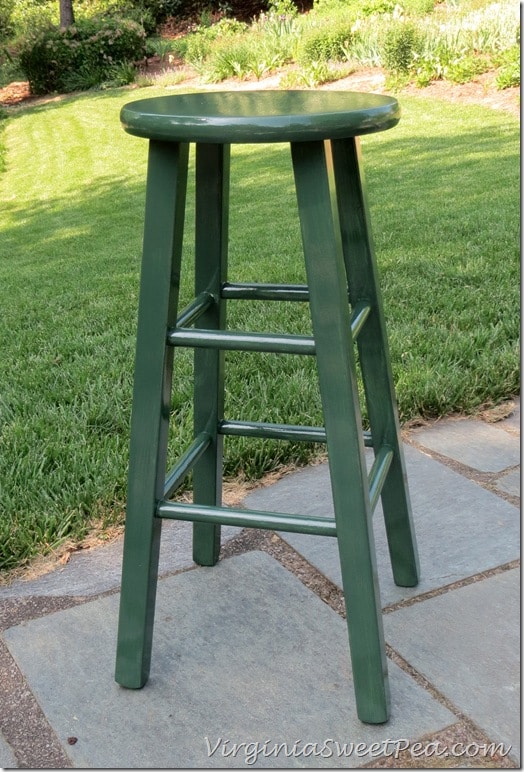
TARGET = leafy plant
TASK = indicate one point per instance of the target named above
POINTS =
(160, 47)
(280, 20)
(465, 68)
(28, 16)
(509, 63)
(86, 52)
(228, 61)
(6, 24)
(325, 43)
(401, 43)
(417, 7)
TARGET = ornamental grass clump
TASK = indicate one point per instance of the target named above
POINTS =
(460, 45)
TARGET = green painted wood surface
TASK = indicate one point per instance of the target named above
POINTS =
(322, 128)
(260, 116)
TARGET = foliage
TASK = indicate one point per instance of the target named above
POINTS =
(201, 42)
(227, 61)
(280, 19)
(324, 43)
(416, 8)
(161, 47)
(87, 52)
(230, 48)
(6, 24)
(29, 17)
(414, 40)
(509, 63)
(9, 67)
(400, 47)
(310, 75)
(457, 45)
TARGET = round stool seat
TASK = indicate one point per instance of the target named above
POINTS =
(260, 116)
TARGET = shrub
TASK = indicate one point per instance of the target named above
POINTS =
(210, 40)
(465, 68)
(400, 46)
(29, 17)
(228, 61)
(157, 10)
(6, 24)
(325, 43)
(418, 7)
(370, 7)
(509, 72)
(90, 49)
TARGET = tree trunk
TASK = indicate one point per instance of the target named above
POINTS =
(67, 17)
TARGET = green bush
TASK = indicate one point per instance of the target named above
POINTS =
(417, 7)
(370, 7)
(401, 44)
(91, 47)
(325, 43)
(6, 24)
(228, 61)
(208, 40)
(28, 17)
(465, 68)
(509, 63)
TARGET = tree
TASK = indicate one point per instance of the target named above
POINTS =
(67, 16)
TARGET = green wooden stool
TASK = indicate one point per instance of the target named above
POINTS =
(322, 129)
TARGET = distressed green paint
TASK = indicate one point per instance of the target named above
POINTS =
(260, 116)
(339, 392)
(373, 349)
(279, 431)
(164, 217)
(247, 518)
(211, 245)
(345, 305)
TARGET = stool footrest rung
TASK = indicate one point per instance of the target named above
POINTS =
(195, 309)
(247, 518)
(279, 431)
(379, 472)
(359, 315)
(184, 465)
(232, 340)
(245, 291)
(251, 518)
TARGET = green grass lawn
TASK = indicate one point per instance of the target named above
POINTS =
(444, 196)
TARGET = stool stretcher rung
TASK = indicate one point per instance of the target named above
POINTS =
(195, 309)
(244, 291)
(379, 472)
(279, 431)
(182, 468)
(247, 518)
(230, 340)
(359, 315)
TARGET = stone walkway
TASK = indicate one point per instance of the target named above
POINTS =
(250, 661)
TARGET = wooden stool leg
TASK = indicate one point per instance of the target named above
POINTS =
(374, 355)
(338, 387)
(211, 243)
(164, 222)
